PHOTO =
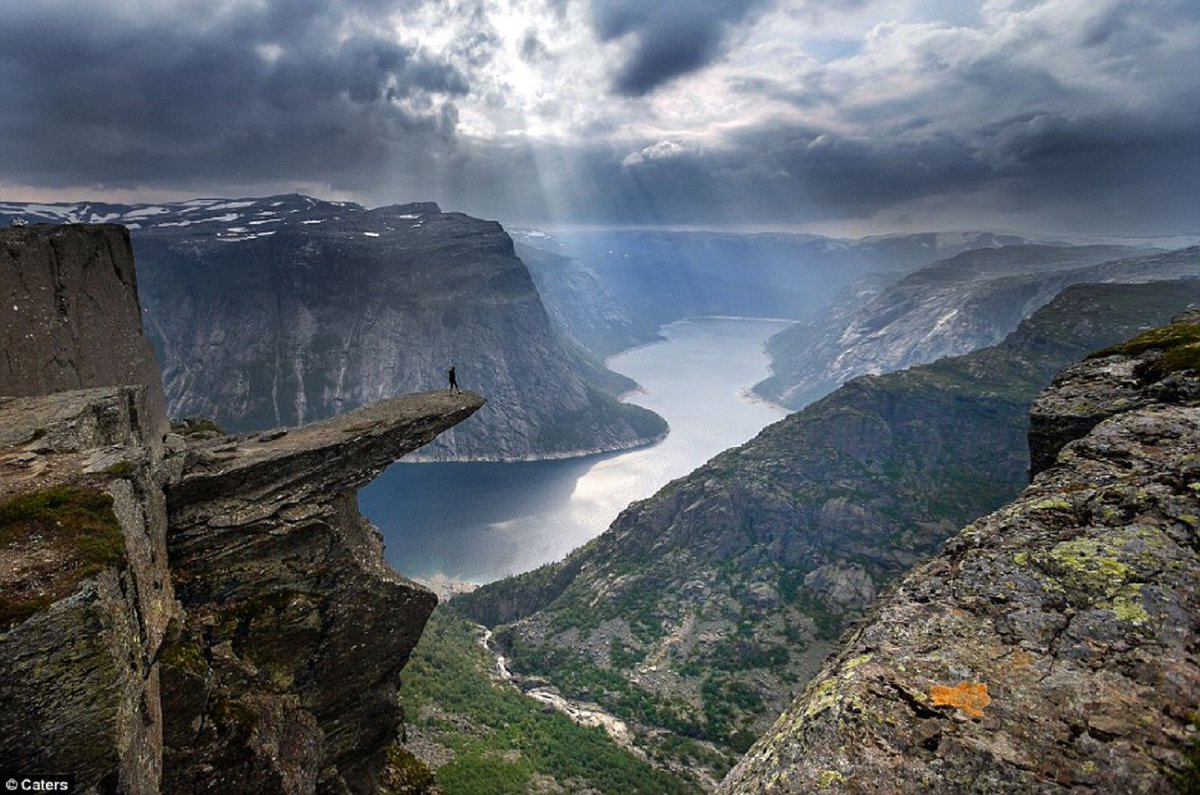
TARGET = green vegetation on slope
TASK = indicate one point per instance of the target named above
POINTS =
(1178, 343)
(71, 533)
(503, 741)
(705, 608)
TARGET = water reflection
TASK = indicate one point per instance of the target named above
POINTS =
(483, 521)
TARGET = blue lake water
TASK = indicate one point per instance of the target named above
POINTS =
(482, 521)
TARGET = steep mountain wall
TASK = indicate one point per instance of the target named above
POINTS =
(946, 309)
(285, 310)
(69, 314)
(1050, 646)
(581, 303)
(187, 613)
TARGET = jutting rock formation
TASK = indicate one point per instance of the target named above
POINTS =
(192, 613)
(1050, 646)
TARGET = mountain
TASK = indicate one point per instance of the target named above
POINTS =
(581, 304)
(704, 609)
(945, 309)
(1050, 646)
(619, 286)
(185, 612)
(285, 310)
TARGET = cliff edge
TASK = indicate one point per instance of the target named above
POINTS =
(1050, 646)
(70, 315)
(188, 612)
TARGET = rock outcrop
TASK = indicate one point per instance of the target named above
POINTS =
(70, 317)
(1051, 645)
(284, 677)
(186, 614)
(85, 590)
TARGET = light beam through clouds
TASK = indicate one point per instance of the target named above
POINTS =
(1046, 115)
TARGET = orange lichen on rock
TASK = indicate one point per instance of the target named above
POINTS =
(971, 699)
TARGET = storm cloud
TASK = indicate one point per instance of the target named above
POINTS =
(209, 92)
(668, 38)
(1040, 115)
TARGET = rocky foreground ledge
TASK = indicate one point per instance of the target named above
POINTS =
(241, 633)
(199, 613)
(284, 677)
(1051, 646)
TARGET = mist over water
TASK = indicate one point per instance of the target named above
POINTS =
(483, 521)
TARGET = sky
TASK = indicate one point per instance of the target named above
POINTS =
(1062, 116)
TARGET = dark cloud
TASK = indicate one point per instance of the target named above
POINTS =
(1104, 176)
(1091, 126)
(282, 89)
(670, 37)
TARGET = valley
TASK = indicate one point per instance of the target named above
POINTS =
(600, 397)
(704, 610)
(681, 593)
(483, 521)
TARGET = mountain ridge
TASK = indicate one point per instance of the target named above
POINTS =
(946, 308)
(703, 606)
(1049, 646)
(282, 310)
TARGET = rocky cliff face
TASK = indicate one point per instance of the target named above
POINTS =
(582, 304)
(708, 604)
(946, 309)
(195, 613)
(69, 315)
(1050, 646)
(284, 676)
(285, 310)
(85, 591)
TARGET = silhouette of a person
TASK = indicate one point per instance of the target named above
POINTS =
(453, 381)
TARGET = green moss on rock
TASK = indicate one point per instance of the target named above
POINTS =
(406, 774)
(68, 533)
(1179, 344)
(121, 469)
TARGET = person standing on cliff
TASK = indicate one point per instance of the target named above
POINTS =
(453, 380)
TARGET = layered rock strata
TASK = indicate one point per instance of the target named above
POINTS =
(285, 676)
(184, 614)
(85, 592)
(1051, 646)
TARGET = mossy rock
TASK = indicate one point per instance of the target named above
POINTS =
(121, 469)
(406, 774)
(197, 426)
(1179, 346)
(54, 539)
